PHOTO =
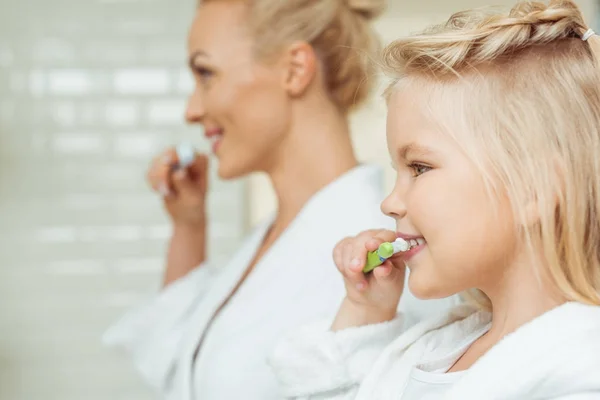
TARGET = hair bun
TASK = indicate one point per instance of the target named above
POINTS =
(369, 9)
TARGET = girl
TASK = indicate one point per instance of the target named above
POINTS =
(493, 128)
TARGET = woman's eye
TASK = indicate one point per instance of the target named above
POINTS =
(419, 169)
(203, 73)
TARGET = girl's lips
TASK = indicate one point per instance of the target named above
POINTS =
(407, 237)
(407, 255)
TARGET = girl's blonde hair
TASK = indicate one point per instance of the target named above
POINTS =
(526, 87)
(339, 31)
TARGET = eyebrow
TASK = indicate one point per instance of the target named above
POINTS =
(409, 149)
(194, 55)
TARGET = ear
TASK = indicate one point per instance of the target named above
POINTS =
(301, 66)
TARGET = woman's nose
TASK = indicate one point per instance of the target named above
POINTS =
(194, 112)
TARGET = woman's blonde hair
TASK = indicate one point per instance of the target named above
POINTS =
(526, 87)
(339, 31)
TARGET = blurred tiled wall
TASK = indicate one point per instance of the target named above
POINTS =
(90, 90)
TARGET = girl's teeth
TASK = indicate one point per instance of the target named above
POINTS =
(420, 241)
(412, 242)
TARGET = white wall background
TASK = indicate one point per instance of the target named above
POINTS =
(89, 91)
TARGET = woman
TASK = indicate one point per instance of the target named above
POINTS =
(275, 81)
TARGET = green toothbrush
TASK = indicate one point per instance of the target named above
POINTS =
(385, 251)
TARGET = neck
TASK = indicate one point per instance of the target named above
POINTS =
(518, 297)
(317, 150)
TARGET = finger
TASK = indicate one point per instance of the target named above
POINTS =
(163, 180)
(184, 184)
(385, 272)
(397, 261)
(356, 279)
(159, 167)
(353, 274)
(347, 254)
(155, 176)
(199, 171)
(199, 165)
(337, 254)
(378, 238)
(169, 156)
(386, 235)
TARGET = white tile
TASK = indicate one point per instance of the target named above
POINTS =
(122, 113)
(166, 112)
(54, 234)
(103, 52)
(37, 83)
(63, 113)
(164, 52)
(124, 300)
(184, 81)
(7, 110)
(139, 265)
(79, 143)
(53, 50)
(90, 114)
(141, 145)
(7, 56)
(69, 82)
(125, 233)
(140, 26)
(141, 81)
(19, 82)
(76, 267)
(161, 232)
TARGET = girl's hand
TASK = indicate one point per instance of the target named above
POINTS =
(371, 297)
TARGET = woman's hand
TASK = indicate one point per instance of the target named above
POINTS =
(184, 194)
(373, 297)
(183, 190)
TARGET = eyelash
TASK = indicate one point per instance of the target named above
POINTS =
(204, 73)
(416, 166)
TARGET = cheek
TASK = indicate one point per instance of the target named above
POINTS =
(256, 111)
(467, 240)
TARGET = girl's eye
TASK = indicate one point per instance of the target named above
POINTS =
(419, 169)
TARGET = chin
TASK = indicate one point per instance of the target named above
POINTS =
(425, 288)
(232, 170)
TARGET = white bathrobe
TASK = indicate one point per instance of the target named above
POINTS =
(295, 282)
(555, 356)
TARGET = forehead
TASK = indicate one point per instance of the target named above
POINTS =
(219, 29)
(406, 120)
(417, 118)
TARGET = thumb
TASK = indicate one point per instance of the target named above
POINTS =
(397, 261)
(198, 171)
(390, 271)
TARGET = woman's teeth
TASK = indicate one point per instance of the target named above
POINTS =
(215, 138)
